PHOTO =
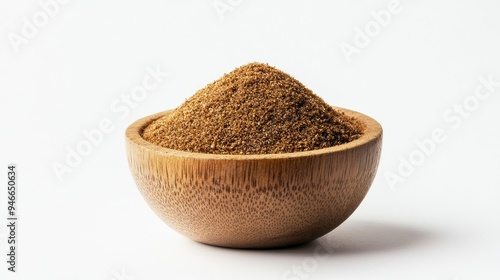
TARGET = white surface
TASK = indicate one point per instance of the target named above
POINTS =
(440, 223)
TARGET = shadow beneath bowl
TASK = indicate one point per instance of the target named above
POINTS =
(352, 242)
(355, 237)
(363, 237)
(351, 238)
(360, 237)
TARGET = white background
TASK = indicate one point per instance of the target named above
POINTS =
(441, 222)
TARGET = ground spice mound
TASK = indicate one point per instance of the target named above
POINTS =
(255, 109)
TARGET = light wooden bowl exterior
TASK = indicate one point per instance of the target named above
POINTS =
(254, 201)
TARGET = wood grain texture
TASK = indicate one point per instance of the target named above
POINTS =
(254, 201)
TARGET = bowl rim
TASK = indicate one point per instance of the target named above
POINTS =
(373, 131)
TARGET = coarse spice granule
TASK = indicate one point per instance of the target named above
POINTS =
(255, 109)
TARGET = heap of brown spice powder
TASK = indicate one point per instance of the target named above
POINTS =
(255, 109)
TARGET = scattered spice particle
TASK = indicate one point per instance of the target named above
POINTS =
(255, 109)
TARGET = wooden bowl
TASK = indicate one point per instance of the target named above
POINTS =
(254, 201)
